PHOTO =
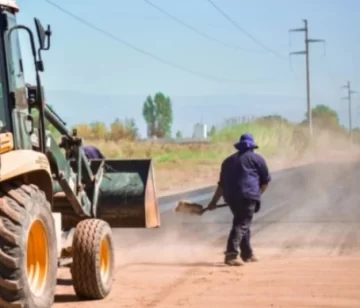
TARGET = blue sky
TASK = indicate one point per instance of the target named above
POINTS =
(90, 76)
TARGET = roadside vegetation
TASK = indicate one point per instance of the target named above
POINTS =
(276, 136)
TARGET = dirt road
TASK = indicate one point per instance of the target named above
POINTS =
(307, 236)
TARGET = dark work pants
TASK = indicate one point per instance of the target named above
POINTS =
(240, 234)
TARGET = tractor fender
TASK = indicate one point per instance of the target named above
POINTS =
(33, 167)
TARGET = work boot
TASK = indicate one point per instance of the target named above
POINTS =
(251, 259)
(232, 261)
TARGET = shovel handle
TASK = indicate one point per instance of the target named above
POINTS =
(217, 206)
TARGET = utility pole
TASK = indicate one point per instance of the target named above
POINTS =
(305, 29)
(348, 98)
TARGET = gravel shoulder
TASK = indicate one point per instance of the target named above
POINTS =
(274, 282)
(307, 236)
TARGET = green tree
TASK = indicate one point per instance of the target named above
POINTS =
(149, 114)
(83, 130)
(273, 118)
(178, 135)
(116, 130)
(98, 130)
(131, 129)
(164, 114)
(212, 131)
(158, 115)
(323, 117)
(126, 129)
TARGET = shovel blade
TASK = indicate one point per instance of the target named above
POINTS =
(188, 207)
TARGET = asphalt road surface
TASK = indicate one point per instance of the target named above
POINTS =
(307, 236)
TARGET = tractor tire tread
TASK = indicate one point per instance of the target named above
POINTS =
(16, 200)
(85, 268)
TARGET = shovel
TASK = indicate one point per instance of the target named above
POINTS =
(192, 208)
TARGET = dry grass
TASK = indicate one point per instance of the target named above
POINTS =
(193, 165)
(163, 153)
(173, 163)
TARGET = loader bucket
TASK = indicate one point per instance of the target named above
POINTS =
(127, 195)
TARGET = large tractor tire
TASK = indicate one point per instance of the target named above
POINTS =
(93, 259)
(28, 249)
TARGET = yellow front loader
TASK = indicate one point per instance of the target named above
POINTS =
(54, 209)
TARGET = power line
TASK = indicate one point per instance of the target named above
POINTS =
(192, 28)
(241, 29)
(348, 98)
(144, 52)
(306, 52)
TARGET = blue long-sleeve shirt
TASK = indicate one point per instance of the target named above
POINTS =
(242, 175)
(92, 152)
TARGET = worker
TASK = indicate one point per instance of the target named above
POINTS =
(244, 176)
(92, 152)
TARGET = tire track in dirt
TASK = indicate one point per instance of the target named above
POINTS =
(169, 289)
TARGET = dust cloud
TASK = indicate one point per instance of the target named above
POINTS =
(181, 239)
(311, 195)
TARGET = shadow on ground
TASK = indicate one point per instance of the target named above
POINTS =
(65, 298)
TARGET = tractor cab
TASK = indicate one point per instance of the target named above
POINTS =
(16, 97)
(11, 76)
